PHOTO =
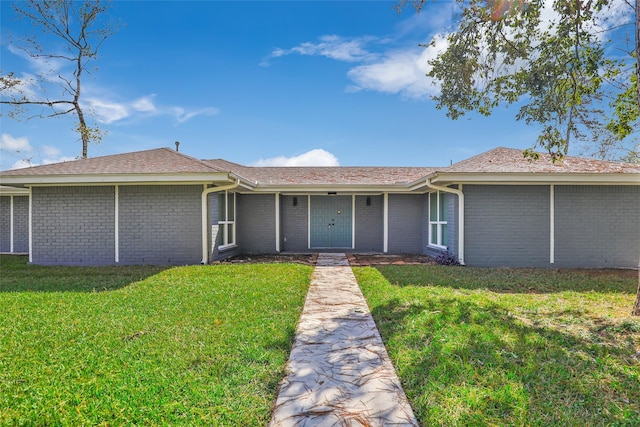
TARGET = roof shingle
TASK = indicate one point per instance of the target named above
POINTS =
(510, 160)
(156, 161)
(339, 175)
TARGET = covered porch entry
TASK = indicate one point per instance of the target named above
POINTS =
(331, 222)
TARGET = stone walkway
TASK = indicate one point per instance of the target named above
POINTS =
(339, 373)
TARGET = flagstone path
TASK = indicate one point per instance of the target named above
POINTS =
(339, 373)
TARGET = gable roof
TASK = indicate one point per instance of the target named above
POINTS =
(327, 175)
(510, 160)
(509, 166)
(159, 160)
(161, 164)
(165, 165)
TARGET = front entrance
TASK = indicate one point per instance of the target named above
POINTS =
(331, 222)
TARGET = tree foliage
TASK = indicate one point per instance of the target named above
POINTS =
(66, 39)
(566, 64)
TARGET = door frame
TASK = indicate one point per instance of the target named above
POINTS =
(353, 221)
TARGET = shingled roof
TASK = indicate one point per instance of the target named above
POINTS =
(164, 164)
(156, 161)
(510, 160)
(314, 175)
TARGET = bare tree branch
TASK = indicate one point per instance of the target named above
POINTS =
(79, 25)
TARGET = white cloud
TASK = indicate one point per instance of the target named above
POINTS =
(106, 108)
(145, 104)
(330, 46)
(13, 144)
(50, 151)
(21, 164)
(48, 161)
(182, 116)
(108, 111)
(400, 72)
(47, 68)
(29, 162)
(26, 155)
(317, 157)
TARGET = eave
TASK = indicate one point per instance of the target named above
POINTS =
(339, 188)
(221, 178)
(13, 191)
(511, 178)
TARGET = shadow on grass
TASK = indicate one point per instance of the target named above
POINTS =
(512, 280)
(467, 363)
(16, 275)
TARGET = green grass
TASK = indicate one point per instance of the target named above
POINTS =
(198, 345)
(510, 347)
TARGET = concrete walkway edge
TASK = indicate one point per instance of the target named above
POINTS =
(339, 372)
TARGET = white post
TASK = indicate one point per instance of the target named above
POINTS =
(117, 223)
(205, 226)
(277, 201)
(11, 224)
(552, 224)
(460, 195)
(385, 220)
(353, 221)
(30, 225)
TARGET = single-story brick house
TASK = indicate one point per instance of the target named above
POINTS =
(163, 207)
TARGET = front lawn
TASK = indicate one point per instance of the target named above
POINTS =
(510, 347)
(198, 345)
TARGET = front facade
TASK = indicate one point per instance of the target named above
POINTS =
(162, 207)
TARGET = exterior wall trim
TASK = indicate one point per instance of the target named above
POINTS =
(110, 179)
(277, 202)
(385, 221)
(308, 221)
(460, 195)
(205, 226)
(506, 178)
(552, 224)
(116, 228)
(353, 221)
(11, 223)
(30, 224)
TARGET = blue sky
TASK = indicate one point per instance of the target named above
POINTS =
(263, 83)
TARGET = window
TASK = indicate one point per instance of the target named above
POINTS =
(226, 220)
(437, 223)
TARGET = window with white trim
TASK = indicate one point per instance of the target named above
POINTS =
(226, 219)
(437, 219)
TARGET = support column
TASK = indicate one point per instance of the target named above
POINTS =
(385, 244)
(277, 201)
(552, 224)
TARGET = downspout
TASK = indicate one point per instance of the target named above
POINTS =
(205, 223)
(460, 215)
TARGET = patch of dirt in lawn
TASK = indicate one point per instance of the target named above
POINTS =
(618, 272)
(307, 259)
(380, 259)
(354, 259)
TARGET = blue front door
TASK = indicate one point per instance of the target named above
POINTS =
(331, 222)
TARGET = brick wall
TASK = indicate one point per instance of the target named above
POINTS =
(160, 224)
(597, 226)
(5, 223)
(294, 224)
(256, 223)
(21, 224)
(369, 224)
(73, 225)
(406, 216)
(507, 225)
